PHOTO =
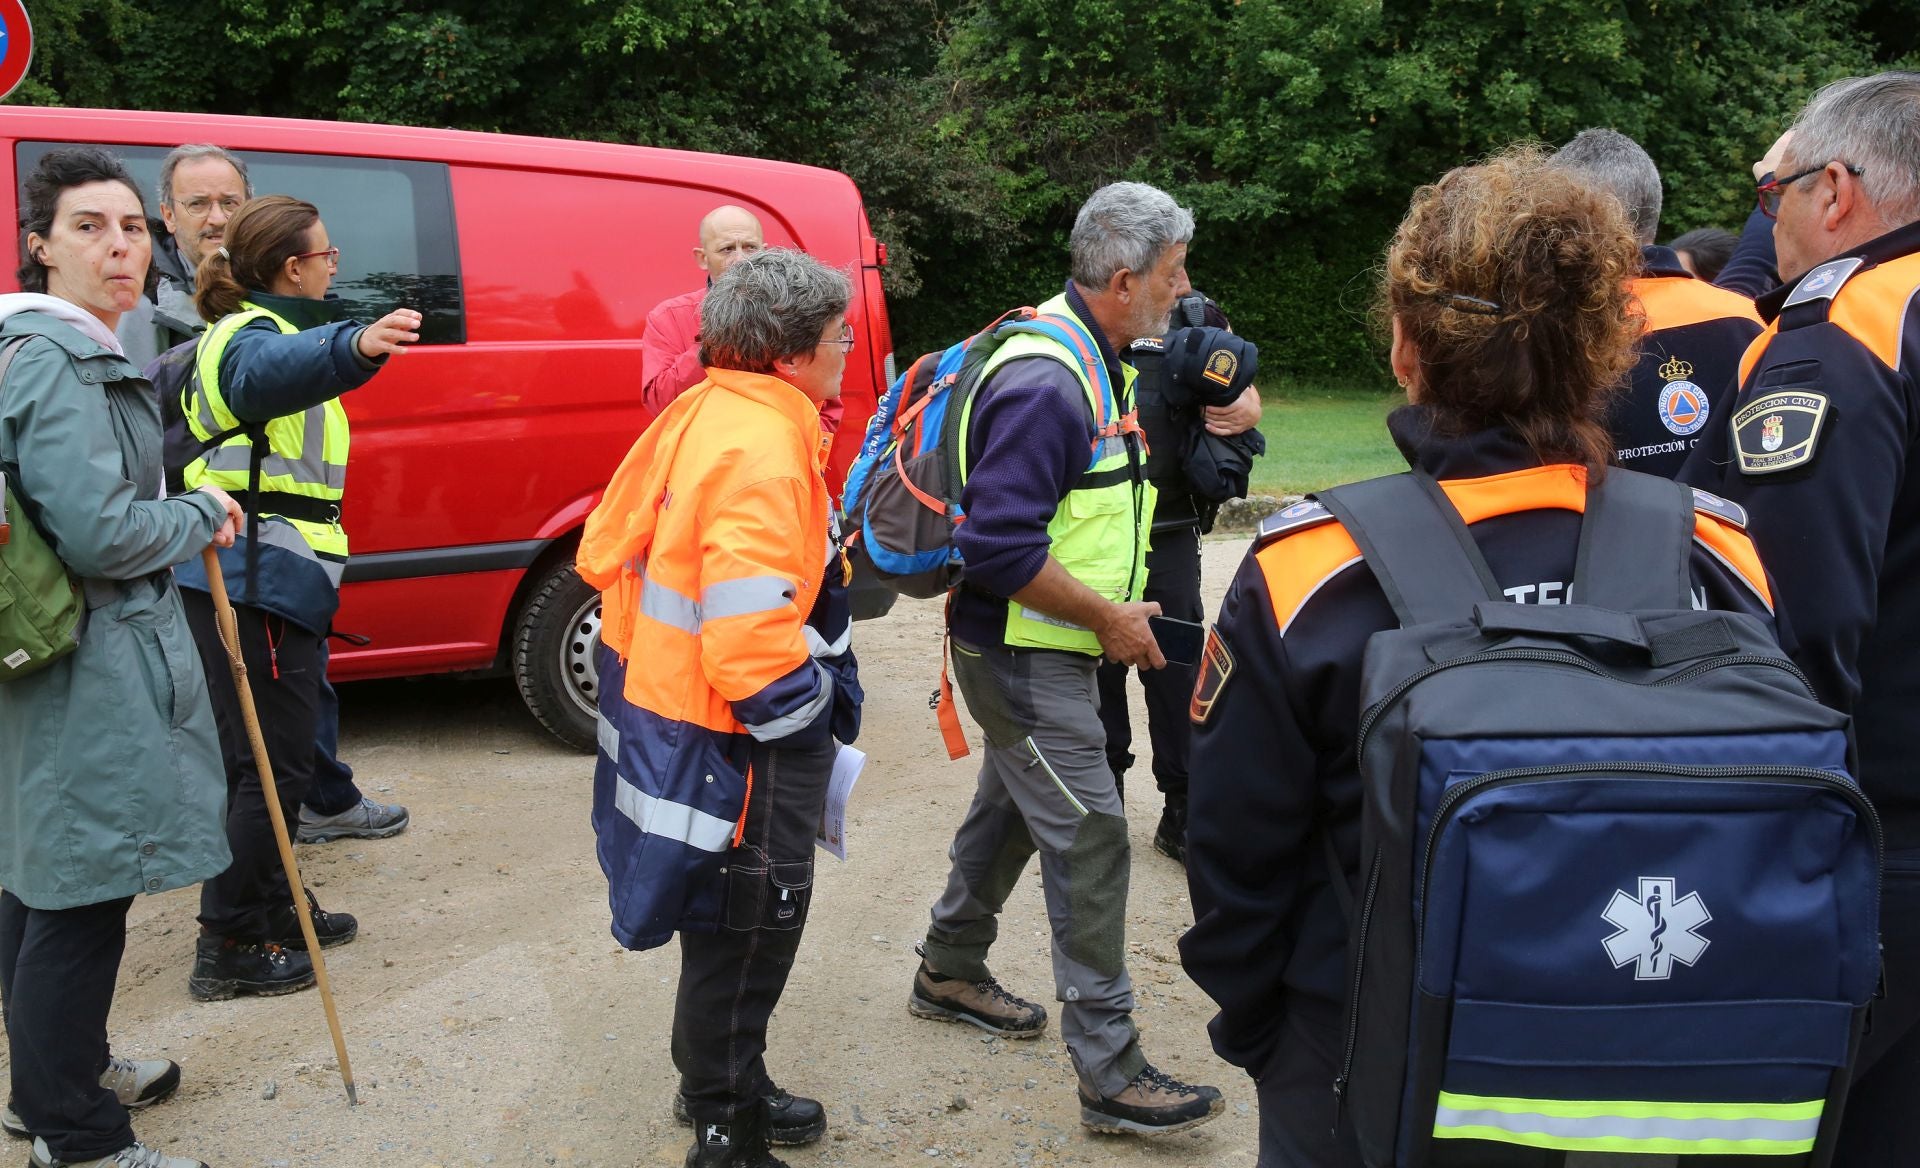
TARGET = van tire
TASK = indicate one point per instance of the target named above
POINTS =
(553, 647)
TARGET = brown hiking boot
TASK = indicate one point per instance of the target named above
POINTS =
(985, 1004)
(1153, 1104)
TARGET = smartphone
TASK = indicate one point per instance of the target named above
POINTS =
(1180, 641)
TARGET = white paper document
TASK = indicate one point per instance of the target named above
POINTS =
(833, 820)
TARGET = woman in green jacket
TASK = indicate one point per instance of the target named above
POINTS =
(110, 774)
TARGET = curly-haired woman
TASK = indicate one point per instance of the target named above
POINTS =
(1506, 289)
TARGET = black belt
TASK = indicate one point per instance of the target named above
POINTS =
(302, 507)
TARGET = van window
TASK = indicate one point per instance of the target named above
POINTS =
(391, 220)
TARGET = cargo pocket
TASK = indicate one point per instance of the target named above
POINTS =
(1102, 521)
(762, 895)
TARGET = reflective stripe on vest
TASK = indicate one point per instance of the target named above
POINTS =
(307, 451)
(1697, 1129)
(1099, 531)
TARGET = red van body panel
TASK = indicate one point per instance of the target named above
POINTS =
(474, 462)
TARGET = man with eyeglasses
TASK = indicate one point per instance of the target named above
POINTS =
(201, 186)
(1822, 446)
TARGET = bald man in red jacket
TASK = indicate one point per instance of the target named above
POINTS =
(670, 347)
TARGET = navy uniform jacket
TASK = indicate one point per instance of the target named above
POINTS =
(1273, 747)
(1822, 446)
(1689, 364)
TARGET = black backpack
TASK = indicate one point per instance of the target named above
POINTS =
(1618, 892)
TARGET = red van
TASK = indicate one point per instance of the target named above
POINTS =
(477, 455)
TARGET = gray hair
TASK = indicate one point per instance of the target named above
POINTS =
(1609, 161)
(769, 306)
(194, 152)
(1125, 225)
(1872, 123)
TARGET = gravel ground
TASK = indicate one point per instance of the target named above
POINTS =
(492, 1020)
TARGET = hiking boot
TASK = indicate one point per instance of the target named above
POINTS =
(1170, 837)
(136, 1083)
(226, 967)
(1153, 1104)
(791, 1119)
(329, 929)
(740, 1142)
(364, 820)
(132, 1156)
(984, 1003)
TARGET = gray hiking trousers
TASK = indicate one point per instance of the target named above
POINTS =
(1045, 785)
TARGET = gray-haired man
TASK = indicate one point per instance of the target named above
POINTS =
(1055, 544)
(1822, 446)
(201, 186)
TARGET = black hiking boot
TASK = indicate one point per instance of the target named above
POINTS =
(1153, 1104)
(792, 1119)
(1170, 837)
(227, 967)
(740, 1142)
(330, 929)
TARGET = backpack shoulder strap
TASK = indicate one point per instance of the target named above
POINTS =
(1417, 545)
(1636, 544)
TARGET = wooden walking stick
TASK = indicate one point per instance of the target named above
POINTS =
(230, 640)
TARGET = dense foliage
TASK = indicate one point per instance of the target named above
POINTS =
(1295, 128)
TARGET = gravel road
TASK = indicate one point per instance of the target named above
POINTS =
(492, 1020)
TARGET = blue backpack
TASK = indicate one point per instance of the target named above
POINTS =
(902, 495)
(1618, 892)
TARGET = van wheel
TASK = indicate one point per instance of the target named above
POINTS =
(553, 647)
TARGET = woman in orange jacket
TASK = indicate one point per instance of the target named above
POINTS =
(726, 677)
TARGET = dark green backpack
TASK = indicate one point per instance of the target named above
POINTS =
(40, 606)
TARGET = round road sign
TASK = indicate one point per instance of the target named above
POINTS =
(16, 45)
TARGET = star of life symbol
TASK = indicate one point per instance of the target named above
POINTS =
(1656, 929)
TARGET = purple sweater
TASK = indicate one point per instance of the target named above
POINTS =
(1030, 441)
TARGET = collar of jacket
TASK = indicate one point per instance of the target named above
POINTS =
(300, 311)
(167, 259)
(1662, 261)
(1891, 246)
(1078, 304)
(1477, 454)
(777, 394)
(77, 344)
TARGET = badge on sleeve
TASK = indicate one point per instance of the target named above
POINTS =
(1778, 431)
(1216, 666)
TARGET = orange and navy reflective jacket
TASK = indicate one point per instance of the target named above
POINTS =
(725, 622)
(1276, 708)
(1689, 355)
(1822, 446)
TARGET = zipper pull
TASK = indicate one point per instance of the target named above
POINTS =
(1339, 1102)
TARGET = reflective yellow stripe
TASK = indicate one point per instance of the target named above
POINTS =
(1647, 1126)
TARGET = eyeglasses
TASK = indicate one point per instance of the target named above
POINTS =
(1768, 193)
(332, 254)
(844, 340)
(198, 208)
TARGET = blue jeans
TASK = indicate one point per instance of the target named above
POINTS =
(332, 790)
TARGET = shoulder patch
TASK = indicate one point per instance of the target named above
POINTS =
(1302, 515)
(1725, 510)
(1216, 666)
(1778, 430)
(1823, 282)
